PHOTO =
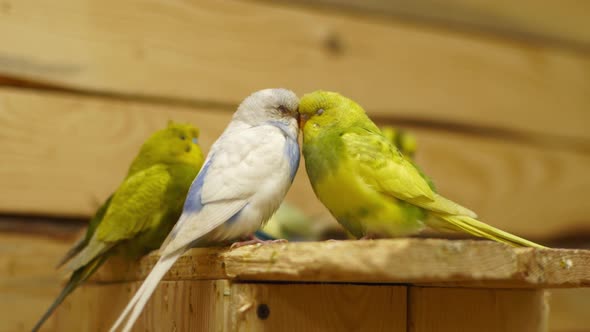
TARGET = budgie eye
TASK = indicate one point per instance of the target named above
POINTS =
(182, 137)
(282, 109)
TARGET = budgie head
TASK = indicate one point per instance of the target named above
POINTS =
(176, 144)
(404, 141)
(323, 109)
(275, 106)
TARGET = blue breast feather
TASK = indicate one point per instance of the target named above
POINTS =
(292, 154)
(291, 147)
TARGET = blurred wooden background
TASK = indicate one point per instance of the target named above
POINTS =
(497, 94)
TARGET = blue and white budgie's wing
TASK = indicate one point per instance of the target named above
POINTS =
(245, 177)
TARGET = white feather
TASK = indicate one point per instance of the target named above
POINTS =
(146, 290)
(242, 161)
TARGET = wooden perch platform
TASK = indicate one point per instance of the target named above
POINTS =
(382, 285)
(398, 261)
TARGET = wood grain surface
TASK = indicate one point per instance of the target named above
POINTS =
(319, 307)
(410, 261)
(175, 306)
(562, 24)
(486, 310)
(569, 310)
(28, 279)
(220, 52)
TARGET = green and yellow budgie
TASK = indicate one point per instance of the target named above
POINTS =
(139, 215)
(368, 185)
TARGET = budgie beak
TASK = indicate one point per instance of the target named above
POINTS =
(302, 120)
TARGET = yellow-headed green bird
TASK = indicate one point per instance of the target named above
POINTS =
(139, 215)
(366, 182)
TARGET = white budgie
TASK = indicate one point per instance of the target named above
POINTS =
(243, 181)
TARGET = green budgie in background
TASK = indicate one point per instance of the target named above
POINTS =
(291, 223)
(139, 215)
(405, 142)
(367, 184)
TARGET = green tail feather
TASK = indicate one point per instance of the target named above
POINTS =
(78, 246)
(480, 229)
(78, 277)
(82, 242)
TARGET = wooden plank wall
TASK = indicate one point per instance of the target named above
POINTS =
(498, 96)
(292, 307)
(493, 310)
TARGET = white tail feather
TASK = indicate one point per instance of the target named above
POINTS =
(143, 294)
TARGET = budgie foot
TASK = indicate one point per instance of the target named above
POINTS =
(255, 240)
